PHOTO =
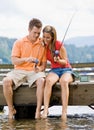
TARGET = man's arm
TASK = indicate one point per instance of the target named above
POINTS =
(18, 61)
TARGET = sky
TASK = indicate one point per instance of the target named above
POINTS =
(15, 16)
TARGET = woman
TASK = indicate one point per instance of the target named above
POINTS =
(60, 70)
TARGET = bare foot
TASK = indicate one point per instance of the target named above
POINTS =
(44, 115)
(12, 112)
(37, 115)
(64, 117)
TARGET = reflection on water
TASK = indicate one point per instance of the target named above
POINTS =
(55, 123)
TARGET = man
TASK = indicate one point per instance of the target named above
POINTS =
(29, 59)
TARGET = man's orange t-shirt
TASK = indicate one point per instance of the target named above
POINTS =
(24, 48)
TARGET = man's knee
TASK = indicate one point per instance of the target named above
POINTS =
(40, 81)
(7, 81)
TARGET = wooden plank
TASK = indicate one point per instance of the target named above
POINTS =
(25, 94)
(74, 65)
(2, 99)
(82, 65)
(81, 93)
(6, 66)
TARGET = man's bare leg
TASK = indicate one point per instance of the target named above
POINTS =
(47, 95)
(39, 93)
(8, 94)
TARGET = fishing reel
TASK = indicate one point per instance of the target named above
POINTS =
(36, 61)
(56, 53)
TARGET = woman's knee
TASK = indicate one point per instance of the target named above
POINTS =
(66, 79)
(49, 81)
(64, 82)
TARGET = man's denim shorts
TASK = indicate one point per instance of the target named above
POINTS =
(61, 71)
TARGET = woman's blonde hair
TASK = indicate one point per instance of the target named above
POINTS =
(52, 31)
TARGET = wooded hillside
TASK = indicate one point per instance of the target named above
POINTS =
(75, 53)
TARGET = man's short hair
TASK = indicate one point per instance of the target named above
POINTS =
(35, 22)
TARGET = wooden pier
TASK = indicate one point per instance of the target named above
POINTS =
(80, 93)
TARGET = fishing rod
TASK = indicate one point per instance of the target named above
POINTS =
(56, 51)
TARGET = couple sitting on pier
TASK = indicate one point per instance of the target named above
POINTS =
(29, 57)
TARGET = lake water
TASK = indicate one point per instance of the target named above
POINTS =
(79, 118)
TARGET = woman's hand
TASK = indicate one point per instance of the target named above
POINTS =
(60, 60)
(56, 58)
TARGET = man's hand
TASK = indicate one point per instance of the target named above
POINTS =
(37, 69)
(30, 59)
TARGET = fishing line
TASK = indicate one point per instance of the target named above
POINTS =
(68, 26)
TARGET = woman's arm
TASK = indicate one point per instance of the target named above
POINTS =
(62, 59)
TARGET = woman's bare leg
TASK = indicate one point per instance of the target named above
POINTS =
(51, 79)
(64, 82)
